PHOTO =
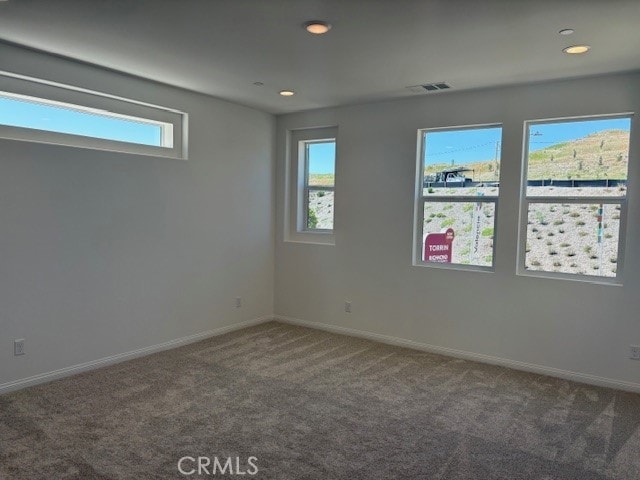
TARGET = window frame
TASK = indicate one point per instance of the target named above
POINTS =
(306, 189)
(527, 200)
(172, 122)
(296, 168)
(421, 200)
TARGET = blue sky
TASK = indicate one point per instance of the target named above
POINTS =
(21, 113)
(322, 157)
(542, 136)
(461, 146)
(466, 146)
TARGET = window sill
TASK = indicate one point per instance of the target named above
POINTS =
(609, 281)
(455, 266)
(313, 238)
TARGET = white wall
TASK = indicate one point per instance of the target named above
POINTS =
(104, 253)
(554, 324)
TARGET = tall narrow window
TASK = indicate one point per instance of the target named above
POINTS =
(574, 197)
(319, 183)
(458, 186)
(310, 197)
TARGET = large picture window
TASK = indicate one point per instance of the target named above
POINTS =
(458, 186)
(574, 197)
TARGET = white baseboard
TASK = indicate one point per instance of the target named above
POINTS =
(476, 357)
(121, 357)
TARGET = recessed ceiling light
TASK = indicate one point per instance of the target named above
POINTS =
(566, 31)
(577, 49)
(287, 93)
(317, 27)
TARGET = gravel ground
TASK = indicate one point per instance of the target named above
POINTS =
(321, 202)
(561, 237)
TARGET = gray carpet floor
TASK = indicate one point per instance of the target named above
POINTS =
(314, 405)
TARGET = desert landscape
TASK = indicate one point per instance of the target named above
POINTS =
(562, 237)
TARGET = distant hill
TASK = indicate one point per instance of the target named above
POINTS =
(597, 156)
(321, 179)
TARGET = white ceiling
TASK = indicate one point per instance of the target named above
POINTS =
(375, 49)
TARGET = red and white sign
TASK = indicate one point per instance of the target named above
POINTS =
(438, 247)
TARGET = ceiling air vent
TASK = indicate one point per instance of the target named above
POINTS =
(429, 87)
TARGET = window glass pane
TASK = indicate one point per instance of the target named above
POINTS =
(472, 226)
(462, 162)
(578, 158)
(580, 239)
(38, 115)
(321, 158)
(320, 209)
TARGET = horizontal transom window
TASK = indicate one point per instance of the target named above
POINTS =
(41, 112)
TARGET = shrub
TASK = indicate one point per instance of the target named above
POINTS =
(487, 232)
(558, 222)
(320, 194)
(312, 218)
(447, 222)
(565, 244)
(580, 223)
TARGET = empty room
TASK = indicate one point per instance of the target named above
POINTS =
(319, 239)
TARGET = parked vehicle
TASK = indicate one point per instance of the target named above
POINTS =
(450, 175)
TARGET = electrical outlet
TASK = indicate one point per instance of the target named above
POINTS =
(238, 302)
(634, 352)
(18, 347)
(347, 307)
